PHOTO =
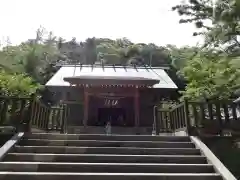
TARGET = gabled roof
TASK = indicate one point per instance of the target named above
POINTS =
(106, 72)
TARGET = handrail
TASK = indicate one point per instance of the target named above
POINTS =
(217, 164)
(14, 97)
(212, 101)
(177, 106)
(10, 144)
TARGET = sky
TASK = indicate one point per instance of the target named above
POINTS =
(141, 21)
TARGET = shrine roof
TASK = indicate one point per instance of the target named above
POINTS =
(91, 72)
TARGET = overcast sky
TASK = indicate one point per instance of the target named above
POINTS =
(139, 20)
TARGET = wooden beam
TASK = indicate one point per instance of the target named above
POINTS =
(118, 94)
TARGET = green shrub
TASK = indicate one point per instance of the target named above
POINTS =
(18, 85)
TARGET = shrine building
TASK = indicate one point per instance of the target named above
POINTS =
(122, 95)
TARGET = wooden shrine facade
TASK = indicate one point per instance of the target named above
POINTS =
(95, 95)
(111, 100)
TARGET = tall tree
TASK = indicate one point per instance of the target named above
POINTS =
(118, 52)
(218, 22)
(213, 71)
(180, 56)
(210, 75)
(33, 56)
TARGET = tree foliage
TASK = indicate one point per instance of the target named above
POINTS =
(219, 22)
(214, 69)
(118, 52)
(180, 56)
(18, 85)
(32, 57)
(210, 75)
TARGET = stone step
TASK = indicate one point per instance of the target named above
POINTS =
(106, 150)
(105, 167)
(101, 143)
(106, 158)
(105, 137)
(106, 176)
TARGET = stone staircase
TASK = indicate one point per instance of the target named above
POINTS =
(101, 157)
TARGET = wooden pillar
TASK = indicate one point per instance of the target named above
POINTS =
(65, 122)
(85, 105)
(136, 108)
(63, 97)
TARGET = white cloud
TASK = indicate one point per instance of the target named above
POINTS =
(139, 20)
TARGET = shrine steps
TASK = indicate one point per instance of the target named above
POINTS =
(102, 167)
(106, 176)
(119, 157)
(106, 150)
(115, 130)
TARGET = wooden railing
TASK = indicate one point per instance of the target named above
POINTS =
(177, 116)
(48, 118)
(21, 114)
(163, 121)
(172, 119)
(215, 117)
(208, 117)
(40, 115)
(15, 112)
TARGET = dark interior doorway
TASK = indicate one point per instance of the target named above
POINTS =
(117, 116)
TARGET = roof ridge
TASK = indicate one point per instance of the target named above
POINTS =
(115, 66)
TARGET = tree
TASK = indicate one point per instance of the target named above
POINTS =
(218, 22)
(210, 75)
(18, 85)
(118, 52)
(180, 56)
(213, 71)
(196, 11)
(32, 57)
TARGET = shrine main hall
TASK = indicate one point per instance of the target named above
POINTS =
(125, 96)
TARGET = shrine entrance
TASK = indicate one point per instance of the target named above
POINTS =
(114, 108)
(116, 116)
